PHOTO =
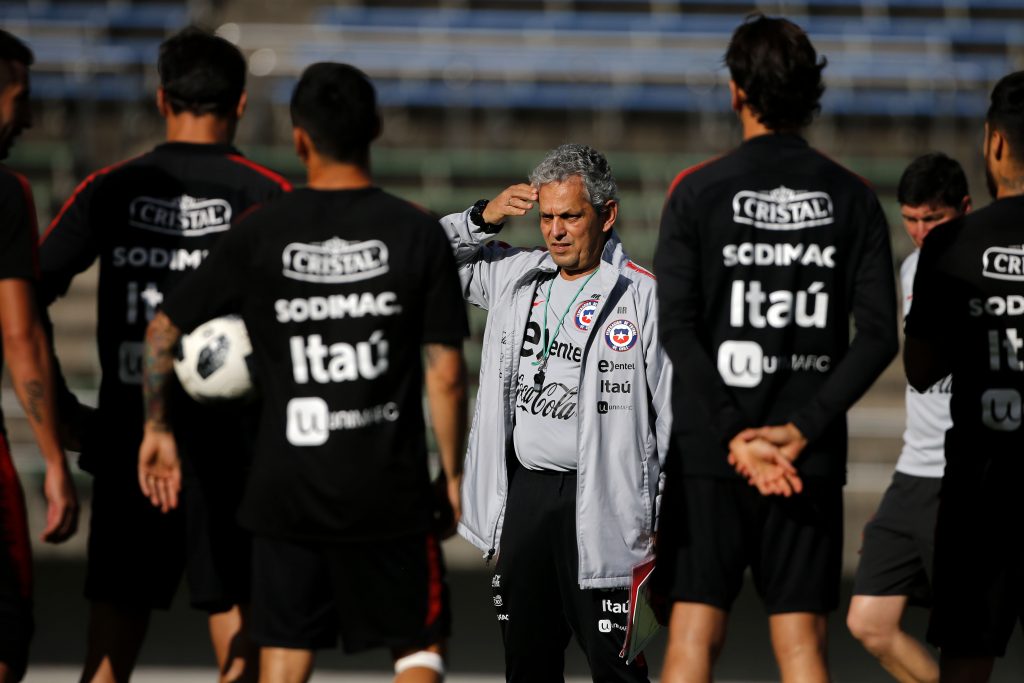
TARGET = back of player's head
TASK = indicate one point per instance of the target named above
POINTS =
(773, 62)
(201, 73)
(336, 105)
(933, 179)
(1006, 112)
(591, 166)
(12, 50)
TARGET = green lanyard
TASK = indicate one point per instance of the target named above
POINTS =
(538, 379)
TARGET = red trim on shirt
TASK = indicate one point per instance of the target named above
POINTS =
(78, 190)
(15, 523)
(262, 170)
(33, 220)
(692, 169)
(855, 175)
(642, 271)
(435, 588)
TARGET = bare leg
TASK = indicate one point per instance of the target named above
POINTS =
(238, 659)
(874, 620)
(419, 674)
(696, 634)
(965, 669)
(799, 640)
(285, 665)
(114, 640)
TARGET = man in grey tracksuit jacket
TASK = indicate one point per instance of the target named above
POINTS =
(568, 513)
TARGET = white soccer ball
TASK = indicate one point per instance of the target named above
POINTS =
(212, 363)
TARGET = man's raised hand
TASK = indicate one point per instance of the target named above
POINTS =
(515, 200)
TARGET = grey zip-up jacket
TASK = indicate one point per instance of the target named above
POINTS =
(623, 437)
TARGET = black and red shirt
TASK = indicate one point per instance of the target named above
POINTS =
(151, 221)
(763, 256)
(339, 291)
(18, 234)
(969, 302)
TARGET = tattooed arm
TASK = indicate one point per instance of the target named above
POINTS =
(159, 467)
(27, 353)
(446, 395)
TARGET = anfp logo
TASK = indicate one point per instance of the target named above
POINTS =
(585, 313)
(621, 335)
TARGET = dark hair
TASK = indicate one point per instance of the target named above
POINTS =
(12, 50)
(933, 179)
(773, 62)
(201, 73)
(1006, 112)
(337, 105)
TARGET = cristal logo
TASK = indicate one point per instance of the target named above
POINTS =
(184, 215)
(335, 260)
(782, 209)
(1001, 410)
(1003, 263)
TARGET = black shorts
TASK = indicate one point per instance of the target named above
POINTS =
(137, 555)
(899, 541)
(718, 527)
(388, 593)
(215, 442)
(16, 624)
(979, 556)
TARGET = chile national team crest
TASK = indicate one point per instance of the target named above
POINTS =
(621, 335)
(585, 314)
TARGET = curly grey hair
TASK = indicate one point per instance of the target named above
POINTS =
(565, 161)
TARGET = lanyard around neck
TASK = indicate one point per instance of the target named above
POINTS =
(550, 343)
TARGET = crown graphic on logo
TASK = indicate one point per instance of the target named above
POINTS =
(782, 194)
(334, 245)
(185, 202)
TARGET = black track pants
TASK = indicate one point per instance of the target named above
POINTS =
(536, 592)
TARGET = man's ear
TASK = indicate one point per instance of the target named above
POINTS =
(162, 105)
(610, 211)
(303, 145)
(242, 102)
(737, 98)
(965, 205)
(997, 144)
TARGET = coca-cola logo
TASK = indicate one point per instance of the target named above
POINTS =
(554, 400)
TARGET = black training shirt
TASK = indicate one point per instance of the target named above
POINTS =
(18, 234)
(763, 256)
(339, 291)
(969, 300)
(151, 221)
